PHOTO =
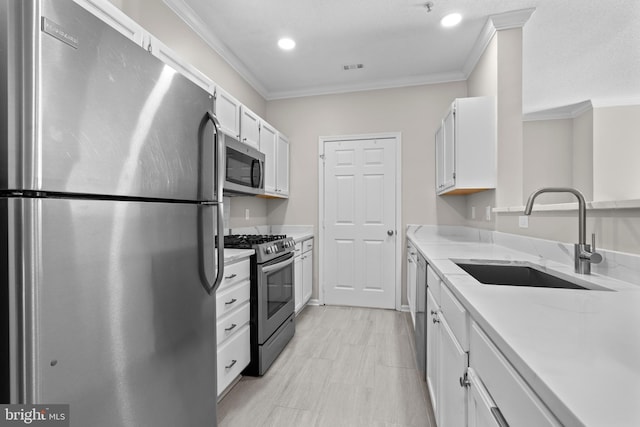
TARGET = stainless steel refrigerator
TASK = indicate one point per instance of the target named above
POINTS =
(110, 208)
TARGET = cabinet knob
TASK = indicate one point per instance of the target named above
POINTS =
(464, 381)
(436, 320)
(389, 232)
(433, 312)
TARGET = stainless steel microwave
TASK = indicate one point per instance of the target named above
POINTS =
(244, 168)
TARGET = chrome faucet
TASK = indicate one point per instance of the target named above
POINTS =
(583, 254)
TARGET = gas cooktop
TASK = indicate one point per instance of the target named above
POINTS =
(248, 241)
(267, 246)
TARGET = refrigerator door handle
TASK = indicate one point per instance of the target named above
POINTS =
(220, 157)
(219, 243)
(205, 247)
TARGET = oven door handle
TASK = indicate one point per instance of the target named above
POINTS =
(278, 266)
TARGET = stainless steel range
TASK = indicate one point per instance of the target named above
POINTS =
(272, 298)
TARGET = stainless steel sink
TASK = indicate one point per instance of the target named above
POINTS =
(516, 275)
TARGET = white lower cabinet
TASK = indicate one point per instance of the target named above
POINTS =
(453, 365)
(303, 273)
(447, 358)
(233, 356)
(233, 313)
(517, 403)
(481, 409)
(411, 281)
(470, 382)
(433, 353)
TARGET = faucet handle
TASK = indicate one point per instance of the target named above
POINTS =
(595, 257)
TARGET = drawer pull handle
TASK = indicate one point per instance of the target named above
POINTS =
(231, 328)
(233, 362)
(230, 302)
(231, 276)
(495, 411)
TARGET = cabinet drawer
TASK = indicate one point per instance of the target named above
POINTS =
(456, 316)
(433, 282)
(233, 357)
(230, 298)
(298, 250)
(519, 405)
(307, 245)
(235, 273)
(232, 322)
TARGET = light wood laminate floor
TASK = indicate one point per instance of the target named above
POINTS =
(345, 366)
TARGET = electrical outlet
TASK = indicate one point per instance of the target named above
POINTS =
(523, 221)
(487, 213)
(246, 214)
(473, 212)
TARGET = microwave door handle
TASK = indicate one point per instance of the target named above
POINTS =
(277, 266)
(256, 164)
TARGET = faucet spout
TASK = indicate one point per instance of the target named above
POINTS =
(584, 254)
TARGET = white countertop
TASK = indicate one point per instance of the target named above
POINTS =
(234, 255)
(579, 350)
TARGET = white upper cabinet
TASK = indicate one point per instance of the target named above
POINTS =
(227, 110)
(268, 141)
(282, 171)
(466, 153)
(169, 57)
(249, 127)
(115, 18)
(275, 147)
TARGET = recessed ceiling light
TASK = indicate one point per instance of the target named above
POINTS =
(286, 44)
(451, 20)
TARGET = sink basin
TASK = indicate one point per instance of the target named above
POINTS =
(516, 275)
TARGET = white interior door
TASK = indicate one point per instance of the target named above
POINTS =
(360, 222)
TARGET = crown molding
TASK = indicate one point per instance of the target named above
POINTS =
(559, 113)
(513, 19)
(615, 102)
(502, 21)
(184, 12)
(378, 85)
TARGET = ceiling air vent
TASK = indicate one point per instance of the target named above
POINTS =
(352, 67)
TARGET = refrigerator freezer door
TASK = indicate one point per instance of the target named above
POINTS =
(94, 113)
(117, 321)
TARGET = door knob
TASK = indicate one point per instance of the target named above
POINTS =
(390, 232)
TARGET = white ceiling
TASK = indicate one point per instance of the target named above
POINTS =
(574, 50)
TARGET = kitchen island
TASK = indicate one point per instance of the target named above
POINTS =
(577, 350)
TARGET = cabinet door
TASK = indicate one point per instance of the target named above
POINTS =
(449, 146)
(169, 57)
(411, 282)
(249, 127)
(297, 280)
(453, 364)
(432, 354)
(307, 276)
(481, 410)
(268, 141)
(227, 110)
(439, 159)
(115, 18)
(282, 177)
